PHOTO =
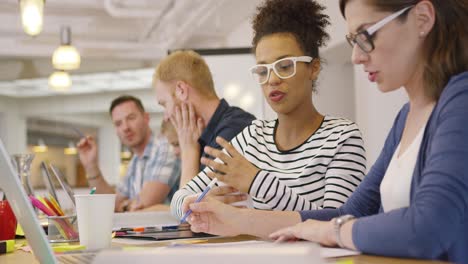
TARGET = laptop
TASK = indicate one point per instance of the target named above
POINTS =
(11, 186)
(64, 183)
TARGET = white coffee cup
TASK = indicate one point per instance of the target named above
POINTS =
(95, 213)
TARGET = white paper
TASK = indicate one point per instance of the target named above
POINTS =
(337, 252)
(324, 251)
(297, 253)
(143, 219)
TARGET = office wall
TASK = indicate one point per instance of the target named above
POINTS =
(12, 126)
(375, 112)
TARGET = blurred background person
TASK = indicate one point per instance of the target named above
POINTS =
(154, 170)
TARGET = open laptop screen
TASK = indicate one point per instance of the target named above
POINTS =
(10, 184)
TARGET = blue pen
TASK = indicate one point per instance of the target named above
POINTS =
(208, 188)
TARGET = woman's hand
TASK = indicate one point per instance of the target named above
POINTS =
(312, 230)
(235, 170)
(213, 217)
(225, 194)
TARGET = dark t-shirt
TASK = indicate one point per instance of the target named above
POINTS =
(226, 122)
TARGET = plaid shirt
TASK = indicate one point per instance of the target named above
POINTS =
(158, 163)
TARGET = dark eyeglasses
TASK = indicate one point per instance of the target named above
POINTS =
(284, 68)
(364, 38)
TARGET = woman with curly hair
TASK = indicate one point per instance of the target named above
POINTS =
(414, 200)
(302, 160)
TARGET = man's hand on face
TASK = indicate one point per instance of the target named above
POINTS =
(189, 127)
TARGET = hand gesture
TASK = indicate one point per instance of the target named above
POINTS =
(235, 170)
(189, 128)
(87, 151)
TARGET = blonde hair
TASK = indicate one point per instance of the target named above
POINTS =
(167, 127)
(187, 66)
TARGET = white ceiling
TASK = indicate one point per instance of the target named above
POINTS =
(120, 41)
(127, 36)
(125, 80)
(130, 29)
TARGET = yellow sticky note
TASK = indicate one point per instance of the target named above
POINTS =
(64, 248)
(345, 261)
(188, 242)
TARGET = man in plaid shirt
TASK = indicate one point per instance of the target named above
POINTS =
(153, 173)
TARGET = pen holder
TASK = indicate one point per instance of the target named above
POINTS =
(62, 229)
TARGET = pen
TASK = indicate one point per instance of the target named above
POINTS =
(93, 190)
(208, 188)
(77, 131)
(56, 204)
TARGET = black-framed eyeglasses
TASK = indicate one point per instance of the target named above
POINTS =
(284, 68)
(364, 38)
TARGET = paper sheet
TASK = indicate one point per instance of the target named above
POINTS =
(324, 251)
(337, 252)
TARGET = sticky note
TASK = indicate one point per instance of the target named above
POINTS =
(65, 248)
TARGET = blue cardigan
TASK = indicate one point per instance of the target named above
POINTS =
(435, 225)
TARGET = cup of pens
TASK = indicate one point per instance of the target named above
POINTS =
(62, 229)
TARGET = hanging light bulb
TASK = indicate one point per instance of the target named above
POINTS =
(41, 147)
(60, 81)
(66, 57)
(70, 150)
(32, 16)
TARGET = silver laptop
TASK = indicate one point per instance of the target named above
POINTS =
(63, 182)
(48, 181)
(10, 184)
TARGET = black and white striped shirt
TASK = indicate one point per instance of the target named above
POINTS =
(322, 172)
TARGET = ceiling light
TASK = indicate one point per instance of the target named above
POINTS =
(232, 91)
(32, 16)
(41, 147)
(66, 57)
(60, 81)
(70, 150)
(247, 101)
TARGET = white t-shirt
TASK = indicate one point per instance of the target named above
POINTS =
(396, 184)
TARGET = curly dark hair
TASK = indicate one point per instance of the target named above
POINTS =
(304, 19)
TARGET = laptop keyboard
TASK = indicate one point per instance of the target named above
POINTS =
(85, 258)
